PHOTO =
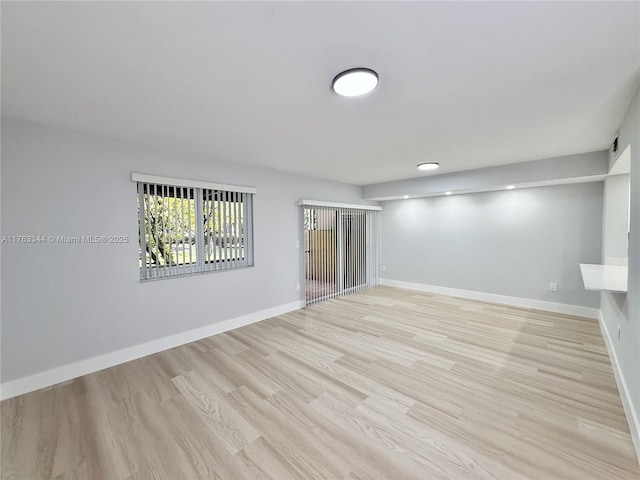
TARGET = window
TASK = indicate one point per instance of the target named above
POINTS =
(188, 227)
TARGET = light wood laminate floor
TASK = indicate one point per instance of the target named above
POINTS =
(383, 384)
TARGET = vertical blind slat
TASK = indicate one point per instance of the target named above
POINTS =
(165, 203)
(206, 208)
(149, 238)
(182, 226)
(219, 231)
(225, 231)
(155, 228)
(232, 236)
(142, 232)
(244, 230)
(162, 244)
(324, 253)
(236, 231)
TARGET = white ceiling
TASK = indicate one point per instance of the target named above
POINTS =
(468, 85)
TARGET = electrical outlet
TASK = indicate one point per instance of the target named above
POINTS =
(297, 287)
(297, 243)
(383, 268)
(553, 287)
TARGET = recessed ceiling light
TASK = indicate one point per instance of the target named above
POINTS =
(428, 166)
(355, 82)
(405, 196)
(448, 193)
(511, 187)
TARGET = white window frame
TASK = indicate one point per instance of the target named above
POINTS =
(229, 204)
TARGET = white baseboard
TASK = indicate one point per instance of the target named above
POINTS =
(63, 373)
(493, 298)
(627, 402)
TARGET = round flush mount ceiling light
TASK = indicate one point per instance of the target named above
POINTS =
(428, 166)
(511, 187)
(355, 82)
(448, 193)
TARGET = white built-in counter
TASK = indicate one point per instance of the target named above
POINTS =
(612, 278)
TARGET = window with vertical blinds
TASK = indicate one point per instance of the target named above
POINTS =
(188, 227)
(341, 247)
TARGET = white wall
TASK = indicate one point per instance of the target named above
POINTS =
(620, 310)
(511, 243)
(616, 217)
(65, 303)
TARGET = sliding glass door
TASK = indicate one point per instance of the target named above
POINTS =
(341, 251)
